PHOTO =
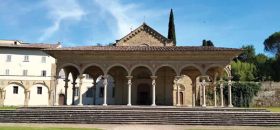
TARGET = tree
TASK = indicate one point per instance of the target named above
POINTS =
(207, 43)
(248, 54)
(243, 71)
(272, 43)
(171, 28)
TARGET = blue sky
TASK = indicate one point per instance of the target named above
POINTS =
(228, 23)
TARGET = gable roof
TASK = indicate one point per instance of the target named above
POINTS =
(148, 29)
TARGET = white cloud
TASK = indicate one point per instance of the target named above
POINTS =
(126, 16)
(58, 11)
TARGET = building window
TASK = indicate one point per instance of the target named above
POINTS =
(44, 73)
(26, 58)
(76, 91)
(101, 92)
(15, 89)
(9, 58)
(24, 73)
(39, 90)
(89, 92)
(43, 59)
(7, 72)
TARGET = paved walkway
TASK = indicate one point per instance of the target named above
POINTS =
(143, 127)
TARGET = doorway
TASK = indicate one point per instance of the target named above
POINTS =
(61, 99)
(143, 94)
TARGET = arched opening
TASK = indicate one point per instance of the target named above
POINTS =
(215, 73)
(119, 91)
(39, 95)
(61, 99)
(141, 79)
(92, 83)
(14, 95)
(164, 85)
(192, 91)
(144, 94)
(66, 82)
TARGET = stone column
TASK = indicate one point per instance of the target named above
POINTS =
(154, 90)
(221, 92)
(129, 90)
(178, 91)
(2, 95)
(215, 95)
(93, 91)
(193, 91)
(73, 91)
(66, 90)
(55, 91)
(26, 97)
(105, 83)
(203, 84)
(229, 93)
(80, 90)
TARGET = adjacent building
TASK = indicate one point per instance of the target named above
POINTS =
(26, 73)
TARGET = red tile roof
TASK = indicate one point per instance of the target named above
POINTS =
(143, 48)
(30, 46)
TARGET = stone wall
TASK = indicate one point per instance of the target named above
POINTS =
(269, 95)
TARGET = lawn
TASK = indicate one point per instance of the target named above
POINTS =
(42, 128)
(8, 108)
(273, 109)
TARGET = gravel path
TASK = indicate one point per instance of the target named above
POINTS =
(143, 127)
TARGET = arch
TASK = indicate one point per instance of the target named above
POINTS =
(140, 65)
(14, 99)
(191, 65)
(116, 65)
(68, 64)
(166, 65)
(43, 84)
(218, 66)
(92, 64)
(39, 97)
(17, 83)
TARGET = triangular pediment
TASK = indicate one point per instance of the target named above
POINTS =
(144, 36)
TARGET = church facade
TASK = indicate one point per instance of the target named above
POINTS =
(143, 68)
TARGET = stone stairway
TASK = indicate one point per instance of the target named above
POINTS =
(141, 115)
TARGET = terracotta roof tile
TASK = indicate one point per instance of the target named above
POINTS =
(143, 48)
(32, 46)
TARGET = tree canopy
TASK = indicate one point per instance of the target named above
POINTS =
(207, 43)
(272, 43)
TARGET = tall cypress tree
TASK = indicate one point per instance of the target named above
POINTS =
(171, 28)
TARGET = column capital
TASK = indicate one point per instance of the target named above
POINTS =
(230, 77)
(177, 77)
(205, 77)
(105, 76)
(66, 80)
(129, 77)
(81, 76)
(153, 77)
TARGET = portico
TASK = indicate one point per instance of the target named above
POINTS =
(148, 69)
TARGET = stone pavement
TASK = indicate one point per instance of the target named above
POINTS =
(143, 127)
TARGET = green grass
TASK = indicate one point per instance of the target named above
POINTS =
(272, 109)
(42, 128)
(8, 108)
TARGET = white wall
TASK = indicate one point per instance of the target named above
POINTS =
(14, 99)
(38, 99)
(17, 64)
